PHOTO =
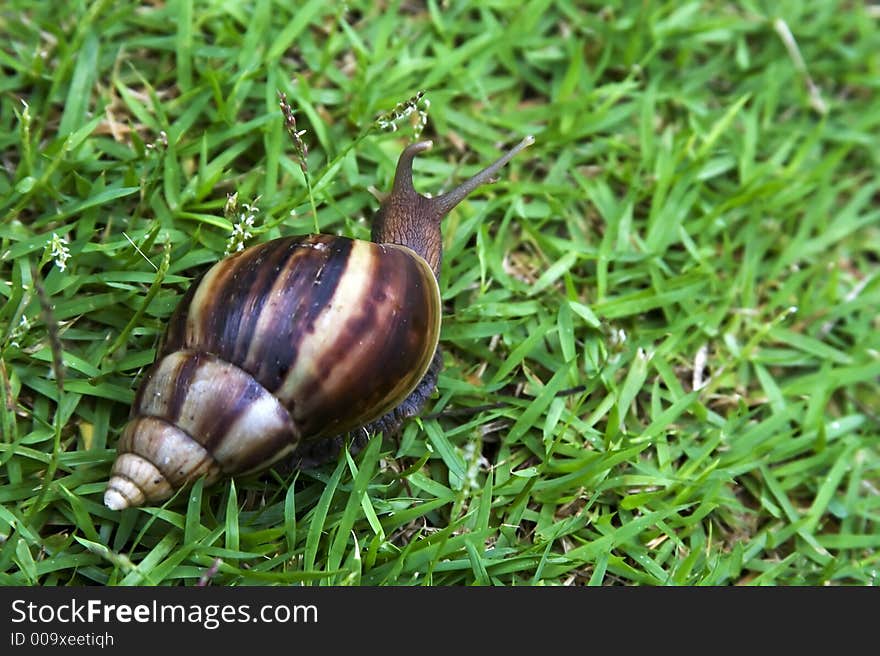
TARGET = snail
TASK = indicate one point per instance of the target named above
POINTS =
(287, 347)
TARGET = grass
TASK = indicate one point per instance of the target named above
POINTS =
(661, 333)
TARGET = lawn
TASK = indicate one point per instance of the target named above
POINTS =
(660, 335)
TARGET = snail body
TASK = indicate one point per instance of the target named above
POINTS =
(287, 347)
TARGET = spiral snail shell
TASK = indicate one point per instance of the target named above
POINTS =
(287, 347)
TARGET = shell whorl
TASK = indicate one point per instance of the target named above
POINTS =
(196, 415)
(296, 339)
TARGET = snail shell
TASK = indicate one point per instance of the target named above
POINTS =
(326, 333)
(289, 344)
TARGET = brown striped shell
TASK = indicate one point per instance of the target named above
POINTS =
(326, 333)
(290, 344)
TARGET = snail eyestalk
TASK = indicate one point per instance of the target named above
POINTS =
(446, 202)
(410, 219)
